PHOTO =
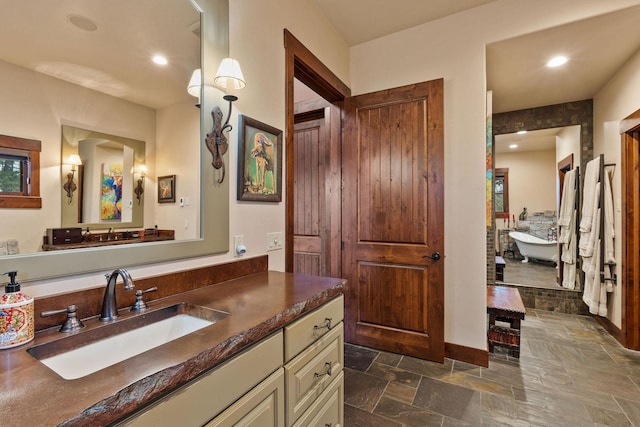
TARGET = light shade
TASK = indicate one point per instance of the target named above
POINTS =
(229, 75)
(193, 88)
(74, 160)
(141, 169)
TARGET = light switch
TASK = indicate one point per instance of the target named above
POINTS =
(275, 241)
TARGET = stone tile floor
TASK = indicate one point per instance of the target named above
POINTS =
(532, 273)
(571, 372)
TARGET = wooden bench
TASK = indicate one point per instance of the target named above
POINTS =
(500, 264)
(504, 305)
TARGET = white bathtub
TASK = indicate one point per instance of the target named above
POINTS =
(535, 247)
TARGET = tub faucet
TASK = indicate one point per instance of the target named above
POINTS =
(109, 305)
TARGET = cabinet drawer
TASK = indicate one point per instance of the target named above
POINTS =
(301, 333)
(206, 397)
(310, 373)
(261, 407)
(328, 410)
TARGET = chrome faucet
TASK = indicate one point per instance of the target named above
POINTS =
(109, 305)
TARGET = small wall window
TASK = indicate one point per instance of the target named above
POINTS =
(501, 192)
(19, 172)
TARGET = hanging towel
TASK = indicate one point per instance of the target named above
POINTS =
(595, 289)
(569, 276)
(609, 249)
(568, 198)
(589, 235)
(591, 178)
(569, 247)
(598, 303)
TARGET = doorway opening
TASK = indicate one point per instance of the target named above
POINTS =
(310, 72)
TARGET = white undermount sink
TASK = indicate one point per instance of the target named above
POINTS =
(87, 352)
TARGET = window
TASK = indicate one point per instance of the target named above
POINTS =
(19, 172)
(501, 193)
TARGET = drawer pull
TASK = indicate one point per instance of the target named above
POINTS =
(327, 325)
(331, 425)
(326, 372)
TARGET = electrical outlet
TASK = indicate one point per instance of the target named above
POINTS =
(275, 241)
(237, 241)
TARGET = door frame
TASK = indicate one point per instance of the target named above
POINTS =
(300, 63)
(629, 335)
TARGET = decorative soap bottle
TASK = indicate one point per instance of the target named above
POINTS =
(16, 315)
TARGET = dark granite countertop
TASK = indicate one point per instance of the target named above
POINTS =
(259, 304)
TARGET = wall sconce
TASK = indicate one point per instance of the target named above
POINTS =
(229, 77)
(142, 170)
(70, 186)
(195, 85)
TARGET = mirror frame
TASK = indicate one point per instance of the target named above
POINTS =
(214, 206)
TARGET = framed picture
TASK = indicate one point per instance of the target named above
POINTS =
(167, 189)
(259, 161)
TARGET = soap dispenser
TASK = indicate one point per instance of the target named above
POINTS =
(16, 315)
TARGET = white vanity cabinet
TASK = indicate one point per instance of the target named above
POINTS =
(203, 399)
(314, 355)
(292, 378)
(261, 407)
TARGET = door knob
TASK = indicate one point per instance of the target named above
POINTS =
(434, 256)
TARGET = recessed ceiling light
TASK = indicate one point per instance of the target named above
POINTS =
(512, 146)
(160, 60)
(557, 61)
(522, 132)
(82, 22)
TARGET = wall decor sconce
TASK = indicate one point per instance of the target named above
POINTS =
(70, 186)
(142, 170)
(195, 85)
(229, 77)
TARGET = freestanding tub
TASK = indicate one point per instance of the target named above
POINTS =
(535, 247)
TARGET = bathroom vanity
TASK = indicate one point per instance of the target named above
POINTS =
(276, 359)
(294, 378)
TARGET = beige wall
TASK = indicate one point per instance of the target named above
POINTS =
(618, 99)
(532, 180)
(430, 51)
(567, 143)
(178, 148)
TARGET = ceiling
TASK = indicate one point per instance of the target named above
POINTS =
(115, 58)
(516, 71)
(353, 18)
(538, 140)
(596, 47)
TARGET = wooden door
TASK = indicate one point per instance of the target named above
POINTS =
(317, 188)
(393, 220)
(310, 228)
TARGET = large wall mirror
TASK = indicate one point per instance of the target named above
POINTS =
(93, 81)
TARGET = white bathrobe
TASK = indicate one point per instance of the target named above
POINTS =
(591, 178)
(588, 237)
(595, 288)
(567, 205)
(567, 227)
